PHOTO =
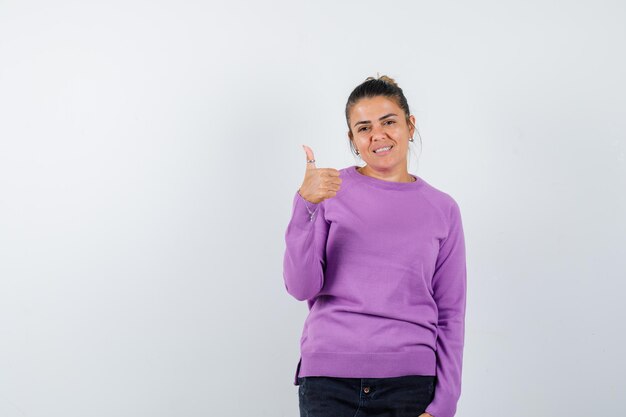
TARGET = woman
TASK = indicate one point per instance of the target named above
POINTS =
(379, 255)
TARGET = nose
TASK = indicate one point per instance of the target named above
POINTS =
(378, 133)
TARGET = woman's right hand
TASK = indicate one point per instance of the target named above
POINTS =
(319, 183)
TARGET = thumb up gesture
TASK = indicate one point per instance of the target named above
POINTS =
(319, 183)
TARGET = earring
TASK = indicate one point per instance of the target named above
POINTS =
(411, 140)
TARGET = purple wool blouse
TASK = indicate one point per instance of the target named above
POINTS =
(382, 268)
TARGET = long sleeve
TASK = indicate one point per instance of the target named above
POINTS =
(449, 287)
(305, 259)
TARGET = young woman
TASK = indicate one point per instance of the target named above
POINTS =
(379, 256)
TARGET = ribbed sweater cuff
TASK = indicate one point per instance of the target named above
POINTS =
(443, 405)
(302, 210)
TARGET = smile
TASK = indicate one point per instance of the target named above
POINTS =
(383, 151)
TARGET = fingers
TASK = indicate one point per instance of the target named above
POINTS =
(324, 180)
(330, 184)
(309, 157)
(332, 178)
(330, 172)
(330, 194)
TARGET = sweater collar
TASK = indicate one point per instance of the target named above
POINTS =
(388, 185)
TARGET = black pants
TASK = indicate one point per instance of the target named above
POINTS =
(404, 396)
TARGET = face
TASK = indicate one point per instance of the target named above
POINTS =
(379, 122)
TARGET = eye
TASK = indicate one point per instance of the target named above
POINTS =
(361, 128)
(391, 121)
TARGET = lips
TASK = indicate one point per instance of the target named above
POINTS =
(380, 147)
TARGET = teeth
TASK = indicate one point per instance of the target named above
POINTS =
(383, 149)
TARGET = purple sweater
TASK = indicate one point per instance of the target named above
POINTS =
(382, 268)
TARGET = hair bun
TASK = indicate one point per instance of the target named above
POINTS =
(388, 80)
(383, 78)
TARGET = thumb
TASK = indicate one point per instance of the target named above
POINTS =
(309, 157)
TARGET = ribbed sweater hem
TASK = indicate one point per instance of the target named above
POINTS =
(367, 365)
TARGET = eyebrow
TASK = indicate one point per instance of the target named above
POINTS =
(367, 121)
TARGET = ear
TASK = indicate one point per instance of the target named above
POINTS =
(412, 125)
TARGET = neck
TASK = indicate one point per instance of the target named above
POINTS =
(404, 177)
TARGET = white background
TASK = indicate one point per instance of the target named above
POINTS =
(150, 151)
